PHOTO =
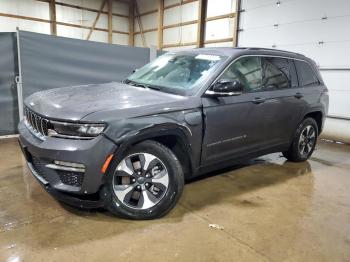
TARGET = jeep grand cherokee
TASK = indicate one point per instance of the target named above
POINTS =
(130, 146)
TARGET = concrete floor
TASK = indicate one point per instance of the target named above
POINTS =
(271, 210)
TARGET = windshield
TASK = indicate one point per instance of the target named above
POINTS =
(176, 73)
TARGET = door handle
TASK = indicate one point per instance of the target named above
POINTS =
(259, 100)
(298, 95)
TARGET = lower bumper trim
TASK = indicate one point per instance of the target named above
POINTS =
(68, 199)
(36, 175)
(72, 200)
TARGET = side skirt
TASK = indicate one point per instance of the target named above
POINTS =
(234, 160)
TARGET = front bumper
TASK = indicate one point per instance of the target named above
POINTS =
(62, 184)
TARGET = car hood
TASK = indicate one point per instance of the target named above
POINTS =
(88, 102)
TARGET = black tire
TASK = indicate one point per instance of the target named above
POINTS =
(295, 152)
(170, 196)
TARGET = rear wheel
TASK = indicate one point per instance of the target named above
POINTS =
(304, 141)
(144, 183)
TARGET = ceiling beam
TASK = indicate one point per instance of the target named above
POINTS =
(230, 15)
(123, 1)
(146, 31)
(179, 44)
(221, 40)
(83, 8)
(60, 23)
(181, 24)
(148, 12)
(26, 18)
(183, 2)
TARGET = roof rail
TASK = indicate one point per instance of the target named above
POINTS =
(273, 49)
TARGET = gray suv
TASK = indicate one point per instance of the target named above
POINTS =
(130, 146)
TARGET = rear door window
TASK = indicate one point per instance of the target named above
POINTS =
(306, 75)
(276, 73)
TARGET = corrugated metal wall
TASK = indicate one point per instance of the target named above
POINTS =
(315, 28)
(318, 29)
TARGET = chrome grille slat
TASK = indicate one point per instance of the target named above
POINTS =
(36, 122)
(41, 124)
(29, 119)
(32, 120)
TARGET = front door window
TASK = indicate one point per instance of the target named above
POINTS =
(247, 70)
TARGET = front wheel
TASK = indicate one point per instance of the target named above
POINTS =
(304, 141)
(144, 183)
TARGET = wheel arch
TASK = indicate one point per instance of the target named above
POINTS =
(318, 116)
(174, 136)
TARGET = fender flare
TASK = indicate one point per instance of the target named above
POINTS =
(180, 131)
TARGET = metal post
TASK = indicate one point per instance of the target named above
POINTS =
(160, 23)
(19, 79)
(202, 13)
(237, 23)
(152, 53)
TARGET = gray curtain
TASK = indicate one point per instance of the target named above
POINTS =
(50, 62)
(8, 92)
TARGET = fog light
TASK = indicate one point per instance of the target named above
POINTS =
(63, 163)
(67, 166)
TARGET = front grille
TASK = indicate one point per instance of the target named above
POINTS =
(71, 178)
(39, 124)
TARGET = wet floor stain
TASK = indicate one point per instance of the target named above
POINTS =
(269, 210)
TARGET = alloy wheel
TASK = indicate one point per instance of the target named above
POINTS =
(307, 140)
(140, 181)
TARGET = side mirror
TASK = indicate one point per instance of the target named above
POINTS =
(135, 70)
(225, 87)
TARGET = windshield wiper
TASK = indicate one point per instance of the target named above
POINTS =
(129, 82)
(153, 87)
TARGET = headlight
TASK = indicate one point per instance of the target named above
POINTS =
(72, 130)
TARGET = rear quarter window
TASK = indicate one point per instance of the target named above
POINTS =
(306, 75)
